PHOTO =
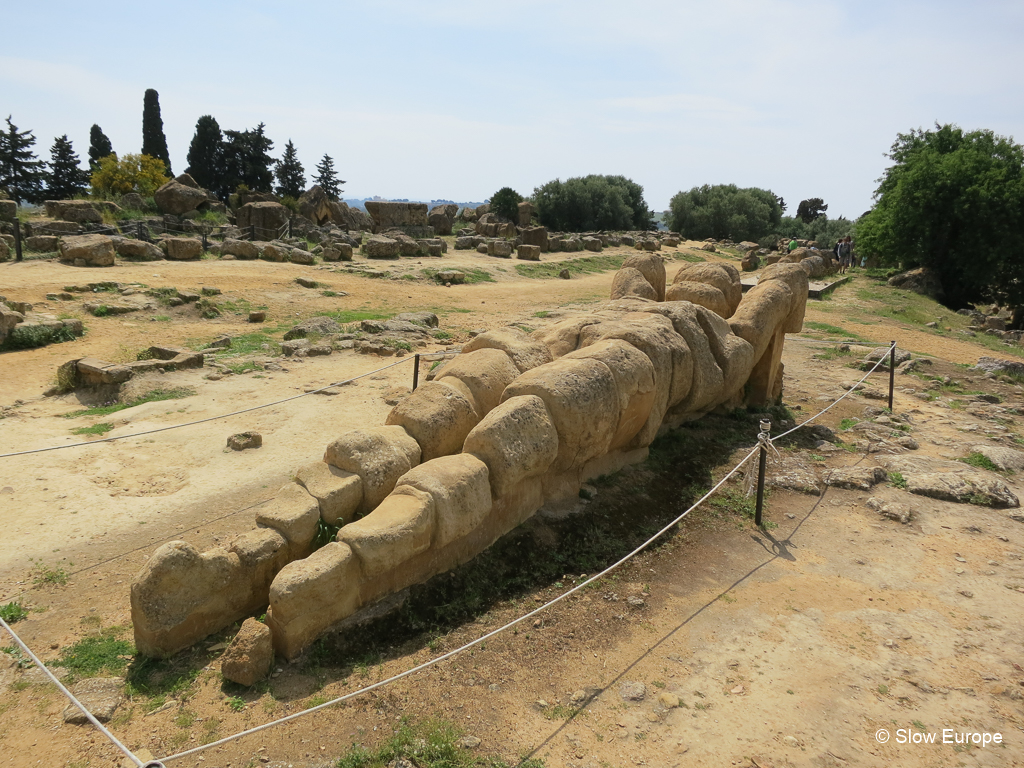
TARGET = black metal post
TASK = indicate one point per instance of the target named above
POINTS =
(892, 373)
(415, 371)
(762, 459)
(290, 225)
(17, 240)
(206, 245)
(252, 233)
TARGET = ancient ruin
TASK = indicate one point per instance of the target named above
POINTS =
(513, 423)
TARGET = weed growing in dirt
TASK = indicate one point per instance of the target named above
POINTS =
(155, 396)
(32, 336)
(430, 744)
(12, 612)
(832, 353)
(102, 653)
(42, 574)
(898, 480)
(165, 677)
(691, 257)
(21, 661)
(980, 461)
(847, 424)
(96, 429)
(582, 266)
(237, 703)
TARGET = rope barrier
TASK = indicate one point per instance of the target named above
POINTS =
(477, 641)
(53, 678)
(202, 421)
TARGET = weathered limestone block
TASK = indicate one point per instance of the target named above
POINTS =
(94, 250)
(776, 303)
(701, 294)
(735, 356)
(182, 248)
(536, 236)
(315, 205)
(400, 527)
(177, 196)
(293, 513)
(592, 243)
(631, 282)
(634, 383)
(240, 249)
(517, 441)
(652, 268)
(528, 252)
(524, 351)
(310, 595)
(707, 380)
(337, 492)
(485, 372)
(138, 250)
(438, 415)
(583, 402)
(378, 455)
(275, 252)
(262, 552)
(380, 247)
(268, 219)
(500, 248)
(724, 277)
(181, 595)
(460, 489)
(249, 657)
(564, 336)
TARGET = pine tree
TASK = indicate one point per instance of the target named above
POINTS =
(246, 161)
(21, 172)
(154, 143)
(328, 179)
(206, 154)
(99, 147)
(291, 176)
(66, 177)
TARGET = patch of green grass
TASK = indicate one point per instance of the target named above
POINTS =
(162, 318)
(96, 429)
(430, 744)
(12, 612)
(397, 344)
(32, 336)
(154, 678)
(441, 335)
(243, 366)
(582, 266)
(102, 653)
(542, 313)
(237, 703)
(345, 316)
(831, 353)
(157, 395)
(691, 257)
(980, 461)
(898, 480)
(883, 689)
(847, 424)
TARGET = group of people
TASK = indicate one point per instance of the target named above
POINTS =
(843, 252)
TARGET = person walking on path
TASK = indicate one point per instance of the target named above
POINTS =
(792, 245)
(845, 255)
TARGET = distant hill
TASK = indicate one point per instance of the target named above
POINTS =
(360, 202)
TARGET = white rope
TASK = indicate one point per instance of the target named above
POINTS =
(202, 421)
(843, 397)
(472, 643)
(71, 696)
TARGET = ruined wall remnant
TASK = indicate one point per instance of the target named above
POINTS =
(410, 218)
(514, 422)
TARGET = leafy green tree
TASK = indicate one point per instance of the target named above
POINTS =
(99, 147)
(953, 201)
(154, 143)
(824, 230)
(505, 203)
(247, 161)
(810, 209)
(131, 173)
(593, 202)
(66, 177)
(327, 178)
(206, 154)
(725, 211)
(21, 172)
(291, 176)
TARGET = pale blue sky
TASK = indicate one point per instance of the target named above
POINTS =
(455, 99)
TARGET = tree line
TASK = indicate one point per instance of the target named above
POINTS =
(222, 162)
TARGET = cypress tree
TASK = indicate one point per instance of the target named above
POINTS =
(291, 176)
(206, 154)
(328, 179)
(66, 177)
(99, 147)
(21, 172)
(154, 143)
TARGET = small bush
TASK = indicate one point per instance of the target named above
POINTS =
(898, 480)
(12, 612)
(979, 460)
(505, 203)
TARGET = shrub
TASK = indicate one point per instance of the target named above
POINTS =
(131, 173)
(505, 202)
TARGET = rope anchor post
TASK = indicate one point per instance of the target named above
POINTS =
(762, 439)
(415, 371)
(892, 372)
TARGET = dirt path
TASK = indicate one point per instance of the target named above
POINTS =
(786, 648)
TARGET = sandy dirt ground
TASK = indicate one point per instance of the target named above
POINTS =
(793, 646)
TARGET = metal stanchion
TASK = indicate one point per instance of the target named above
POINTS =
(415, 371)
(892, 373)
(762, 459)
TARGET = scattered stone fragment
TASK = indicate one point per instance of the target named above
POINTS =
(632, 691)
(257, 317)
(856, 478)
(244, 440)
(100, 695)
(469, 742)
(668, 700)
(306, 282)
(249, 657)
